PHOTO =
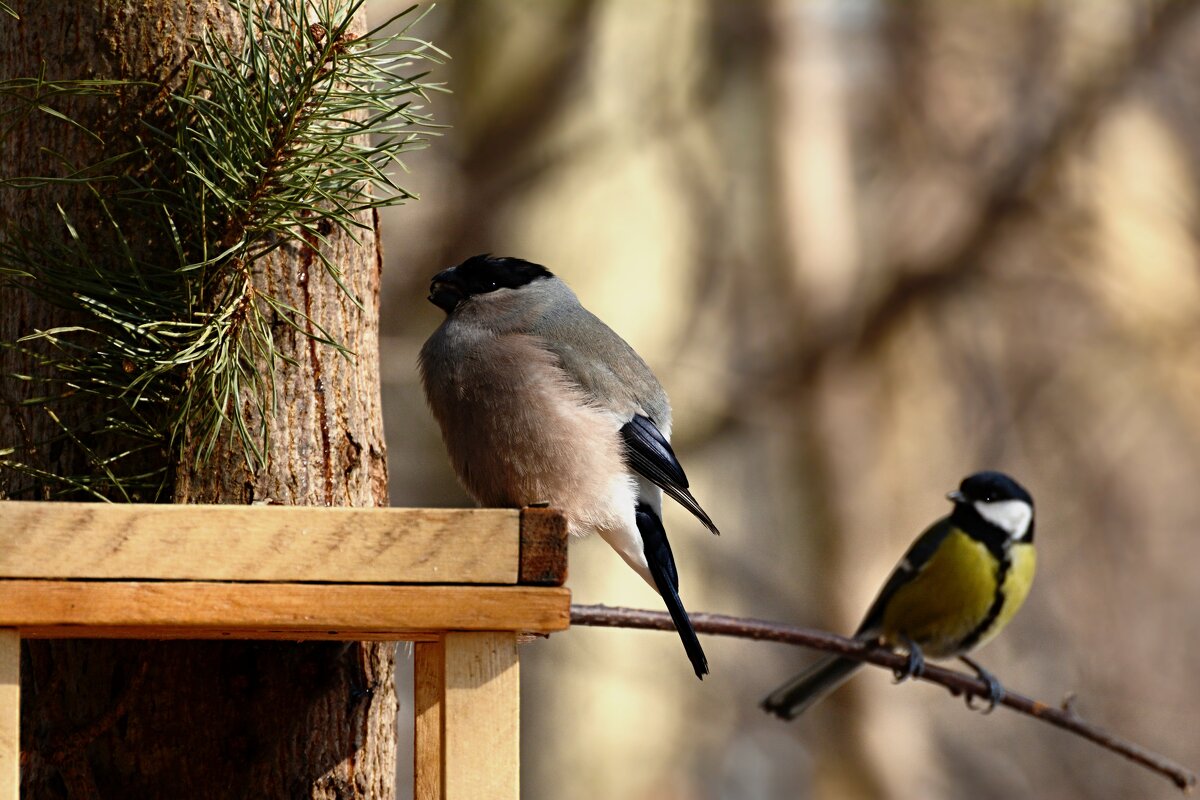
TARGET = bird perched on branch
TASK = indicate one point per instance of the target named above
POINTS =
(957, 586)
(541, 402)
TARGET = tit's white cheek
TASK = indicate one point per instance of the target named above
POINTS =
(1011, 516)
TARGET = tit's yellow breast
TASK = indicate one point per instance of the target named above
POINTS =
(943, 608)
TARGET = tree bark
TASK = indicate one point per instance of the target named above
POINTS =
(203, 719)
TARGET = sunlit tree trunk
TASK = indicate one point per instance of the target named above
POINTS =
(203, 719)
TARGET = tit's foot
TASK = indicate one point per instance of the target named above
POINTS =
(995, 691)
(915, 666)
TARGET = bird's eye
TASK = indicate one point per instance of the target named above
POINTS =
(492, 286)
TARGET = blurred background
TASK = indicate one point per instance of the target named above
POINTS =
(869, 247)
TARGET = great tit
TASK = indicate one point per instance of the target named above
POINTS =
(957, 586)
(541, 402)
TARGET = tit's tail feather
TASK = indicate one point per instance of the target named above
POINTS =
(666, 579)
(803, 691)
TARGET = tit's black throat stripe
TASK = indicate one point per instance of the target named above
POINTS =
(1003, 567)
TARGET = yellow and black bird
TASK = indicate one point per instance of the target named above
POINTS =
(956, 587)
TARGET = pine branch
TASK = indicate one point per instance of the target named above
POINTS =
(277, 138)
(958, 683)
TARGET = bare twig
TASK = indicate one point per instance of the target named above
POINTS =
(958, 683)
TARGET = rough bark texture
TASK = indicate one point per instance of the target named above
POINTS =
(207, 719)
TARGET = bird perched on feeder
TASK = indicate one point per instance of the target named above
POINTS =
(957, 586)
(541, 402)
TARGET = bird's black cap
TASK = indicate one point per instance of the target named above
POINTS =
(479, 275)
(989, 486)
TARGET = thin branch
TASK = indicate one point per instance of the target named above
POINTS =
(958, 683)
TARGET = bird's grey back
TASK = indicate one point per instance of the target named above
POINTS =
(595, 357)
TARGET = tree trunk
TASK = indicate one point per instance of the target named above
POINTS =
(203, 719)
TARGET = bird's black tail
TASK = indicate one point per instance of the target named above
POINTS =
(794, 697)
(662, 569)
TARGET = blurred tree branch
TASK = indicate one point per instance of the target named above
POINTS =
(1005, 200)
(1038, 152)
(958, 683)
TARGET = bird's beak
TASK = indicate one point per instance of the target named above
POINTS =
(444, 294)
(956, 496)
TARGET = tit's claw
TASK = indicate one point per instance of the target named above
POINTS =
(915, 666)
(995, 691)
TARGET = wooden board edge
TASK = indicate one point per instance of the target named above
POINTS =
(80, 609)
(543, 559)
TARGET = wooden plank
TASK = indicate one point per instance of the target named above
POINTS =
(429, 700)
(543, 547)
(10, 715)
(258, 543)
(482, 753)
(243, 634)
(77, 609)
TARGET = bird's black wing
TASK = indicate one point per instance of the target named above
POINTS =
(909, 567)
(666, 578)
(650, 454)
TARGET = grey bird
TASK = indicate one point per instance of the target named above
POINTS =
(541, 402)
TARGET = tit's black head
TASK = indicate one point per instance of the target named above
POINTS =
(994, 508)
(989, 487)
(480, 275)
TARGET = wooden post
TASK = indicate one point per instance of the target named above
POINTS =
(10, 714)
(481, 716)
(429, 702)
(468, 717)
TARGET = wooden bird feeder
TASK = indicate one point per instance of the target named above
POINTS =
(461, 584)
